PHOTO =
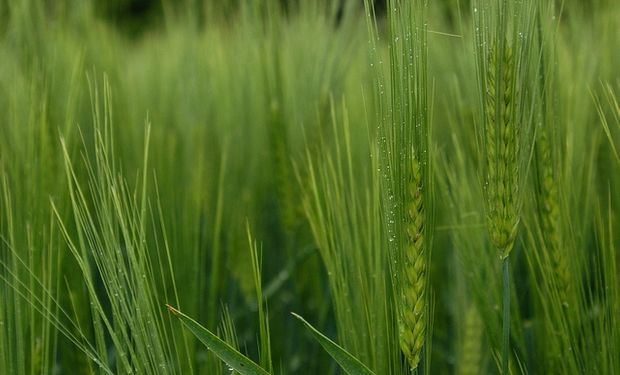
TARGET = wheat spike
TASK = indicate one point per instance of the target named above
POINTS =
(471, 350)
(413, 294)
(280, 153)
(502, 150)
(550, 215)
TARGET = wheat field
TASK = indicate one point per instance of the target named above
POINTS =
(309, 187)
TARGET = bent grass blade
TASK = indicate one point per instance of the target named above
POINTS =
(349, 363)
(220, 348)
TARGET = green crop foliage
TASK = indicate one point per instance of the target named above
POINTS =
(309, 187)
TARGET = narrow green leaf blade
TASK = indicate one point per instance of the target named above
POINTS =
(349, 363)
(225, 352)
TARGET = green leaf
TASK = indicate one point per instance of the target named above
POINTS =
(225, 352)
(349, 363)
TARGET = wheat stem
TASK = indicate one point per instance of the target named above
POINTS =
(506, 315)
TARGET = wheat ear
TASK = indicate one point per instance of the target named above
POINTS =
(471, 350)
(502, 150)
(549, 211)
(412, 324)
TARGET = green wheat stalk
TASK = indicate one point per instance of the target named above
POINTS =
(404, 141)
(506, 59)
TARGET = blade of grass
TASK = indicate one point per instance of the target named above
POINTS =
(219, 347)
(349, 364)
(263, 315)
